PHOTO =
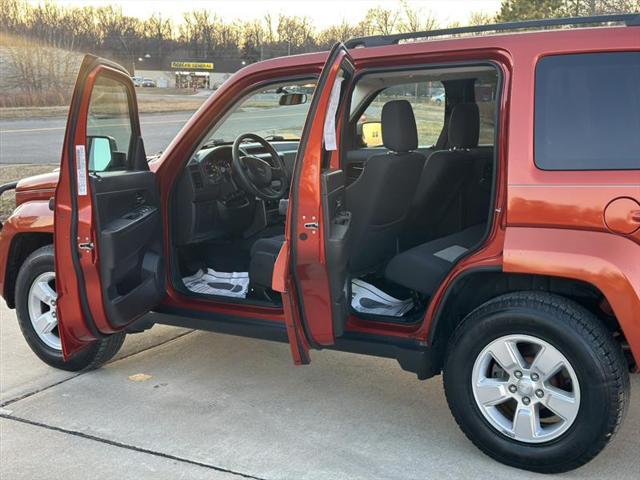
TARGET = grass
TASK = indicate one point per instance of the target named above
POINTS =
(146, 104)
(11, 173)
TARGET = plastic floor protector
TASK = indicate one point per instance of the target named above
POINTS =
(365, 298)
(227, 284)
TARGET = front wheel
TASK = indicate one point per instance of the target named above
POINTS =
(36, 311)
(536, 381)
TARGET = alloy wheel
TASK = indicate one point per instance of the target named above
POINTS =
(42, 309)
(526, 388)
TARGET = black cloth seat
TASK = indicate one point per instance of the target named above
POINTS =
(423, 268)
(448, 192)
(264, 253)
(379, 199)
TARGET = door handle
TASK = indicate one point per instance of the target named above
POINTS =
(635, 216)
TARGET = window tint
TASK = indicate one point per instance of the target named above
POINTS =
(485, 94)
(427, 100)
(587, 112)
(109, 129)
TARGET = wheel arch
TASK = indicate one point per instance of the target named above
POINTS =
(590, 268)
(22, 245)
(477, 286)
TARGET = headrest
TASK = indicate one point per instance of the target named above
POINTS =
(399, 132)
(464, 126)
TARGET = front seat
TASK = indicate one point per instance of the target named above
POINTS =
(379, 199)
(264, 253)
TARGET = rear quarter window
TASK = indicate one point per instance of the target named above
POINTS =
(587, 112)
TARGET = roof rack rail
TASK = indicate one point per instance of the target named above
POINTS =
(381, 40)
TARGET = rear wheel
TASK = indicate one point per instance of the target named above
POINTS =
(36, 310)
(536, 381)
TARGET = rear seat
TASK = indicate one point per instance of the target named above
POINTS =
(423, 268)
(450, 196)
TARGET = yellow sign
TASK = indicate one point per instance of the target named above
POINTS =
(372, 134)
(193, 65)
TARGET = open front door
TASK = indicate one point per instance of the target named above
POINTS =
(316, 295)
(108, 231)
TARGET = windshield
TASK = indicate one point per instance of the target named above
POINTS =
(275, 113)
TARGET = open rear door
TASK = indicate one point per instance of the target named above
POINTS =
(311, 270)
(108, 231)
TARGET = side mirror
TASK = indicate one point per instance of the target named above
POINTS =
(372, 134)
(293, 99)
(101, 150)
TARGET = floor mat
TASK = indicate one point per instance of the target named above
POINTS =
(365, 298)
(227, 284)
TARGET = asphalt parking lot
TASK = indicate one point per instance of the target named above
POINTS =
(183, 404)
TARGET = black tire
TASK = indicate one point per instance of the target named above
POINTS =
(589, 347)
(94, 356)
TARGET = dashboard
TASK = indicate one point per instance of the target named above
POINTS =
(209, 203)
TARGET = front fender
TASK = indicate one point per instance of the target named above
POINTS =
(609, 262)
(30, 217)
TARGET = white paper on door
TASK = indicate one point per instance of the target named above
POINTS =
(330, 120)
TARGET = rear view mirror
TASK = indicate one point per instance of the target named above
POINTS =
(101, 151)
(372, 134)
(293, 99)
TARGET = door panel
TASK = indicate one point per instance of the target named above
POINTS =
(338, 222)
(317, 225)
(108, 232)
(130, 241)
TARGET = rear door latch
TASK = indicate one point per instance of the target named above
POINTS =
(86, 246)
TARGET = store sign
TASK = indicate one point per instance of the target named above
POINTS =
(193, 65)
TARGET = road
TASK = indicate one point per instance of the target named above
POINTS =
(39, 140)
(221, 407)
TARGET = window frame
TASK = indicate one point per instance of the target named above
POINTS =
(132, 107)
(352, 116)
(534, 123)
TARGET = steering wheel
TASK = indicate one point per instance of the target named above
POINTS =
(256, 175)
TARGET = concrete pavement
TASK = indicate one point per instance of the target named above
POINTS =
(215, 406)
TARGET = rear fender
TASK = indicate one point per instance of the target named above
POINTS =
(609, 262)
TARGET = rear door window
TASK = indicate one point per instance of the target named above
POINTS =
(587, 112)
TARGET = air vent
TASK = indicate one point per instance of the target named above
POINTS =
(196, 177)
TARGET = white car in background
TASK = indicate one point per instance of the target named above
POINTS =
(438, 98)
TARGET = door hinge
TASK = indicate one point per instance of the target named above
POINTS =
(86, 246)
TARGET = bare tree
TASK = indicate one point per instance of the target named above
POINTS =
(415, 20)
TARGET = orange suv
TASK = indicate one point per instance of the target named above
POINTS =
(325, 200)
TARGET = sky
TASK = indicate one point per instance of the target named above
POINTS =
(322, 12)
